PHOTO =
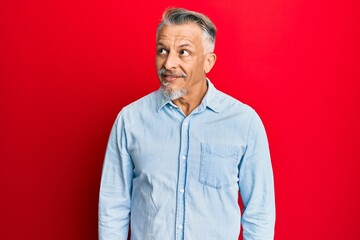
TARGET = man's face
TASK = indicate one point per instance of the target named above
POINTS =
(180, 59)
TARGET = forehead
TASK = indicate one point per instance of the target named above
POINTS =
(189, 32)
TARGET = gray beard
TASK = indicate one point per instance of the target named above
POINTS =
(173, 94)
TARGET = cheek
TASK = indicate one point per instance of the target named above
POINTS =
(158, 62)
(195, 66)
(201, 66)
(198, 69)
(188, 67)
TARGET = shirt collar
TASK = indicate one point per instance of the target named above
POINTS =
(209, 100)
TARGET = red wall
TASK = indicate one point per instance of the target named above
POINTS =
(67, 68)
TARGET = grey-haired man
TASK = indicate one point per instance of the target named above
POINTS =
(178, 157)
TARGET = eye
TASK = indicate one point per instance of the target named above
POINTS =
(184, 53)
(161, 51)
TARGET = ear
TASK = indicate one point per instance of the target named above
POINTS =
(210, 60)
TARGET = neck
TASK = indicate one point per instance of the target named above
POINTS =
(192, 99)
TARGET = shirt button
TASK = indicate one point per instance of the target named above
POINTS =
(185, 124)
(180, 226)
(182, 190)
(183, 157)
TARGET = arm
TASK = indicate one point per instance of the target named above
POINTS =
(257, 186)
(115, 189)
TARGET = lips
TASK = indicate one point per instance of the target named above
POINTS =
(170, 78)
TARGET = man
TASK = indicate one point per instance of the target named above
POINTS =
(178, 157)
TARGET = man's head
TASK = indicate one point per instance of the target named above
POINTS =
(180, 16)
(185, 42)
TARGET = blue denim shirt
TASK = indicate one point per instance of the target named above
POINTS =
(172, 176)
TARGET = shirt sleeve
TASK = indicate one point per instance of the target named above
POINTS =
(115, 188)
(257, 186)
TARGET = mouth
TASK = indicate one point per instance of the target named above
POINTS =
(169, 76)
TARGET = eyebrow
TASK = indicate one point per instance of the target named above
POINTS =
(186, 45)
(180, 46)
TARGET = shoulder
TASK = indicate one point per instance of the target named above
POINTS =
(148, 102)
(137, 112)
(228, 103)
(243, 115)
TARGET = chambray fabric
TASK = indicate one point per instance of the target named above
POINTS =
(171, 176)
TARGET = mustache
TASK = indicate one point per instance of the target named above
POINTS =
(164, 73)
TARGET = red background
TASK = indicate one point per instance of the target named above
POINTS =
(68, 67)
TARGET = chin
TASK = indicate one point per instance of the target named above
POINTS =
(173, 94)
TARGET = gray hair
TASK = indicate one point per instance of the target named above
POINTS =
(179, 16)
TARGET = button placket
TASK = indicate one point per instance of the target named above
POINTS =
(180, 216)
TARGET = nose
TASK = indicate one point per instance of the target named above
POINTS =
(171, 61)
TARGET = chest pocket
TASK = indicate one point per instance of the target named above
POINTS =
(219, 165)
